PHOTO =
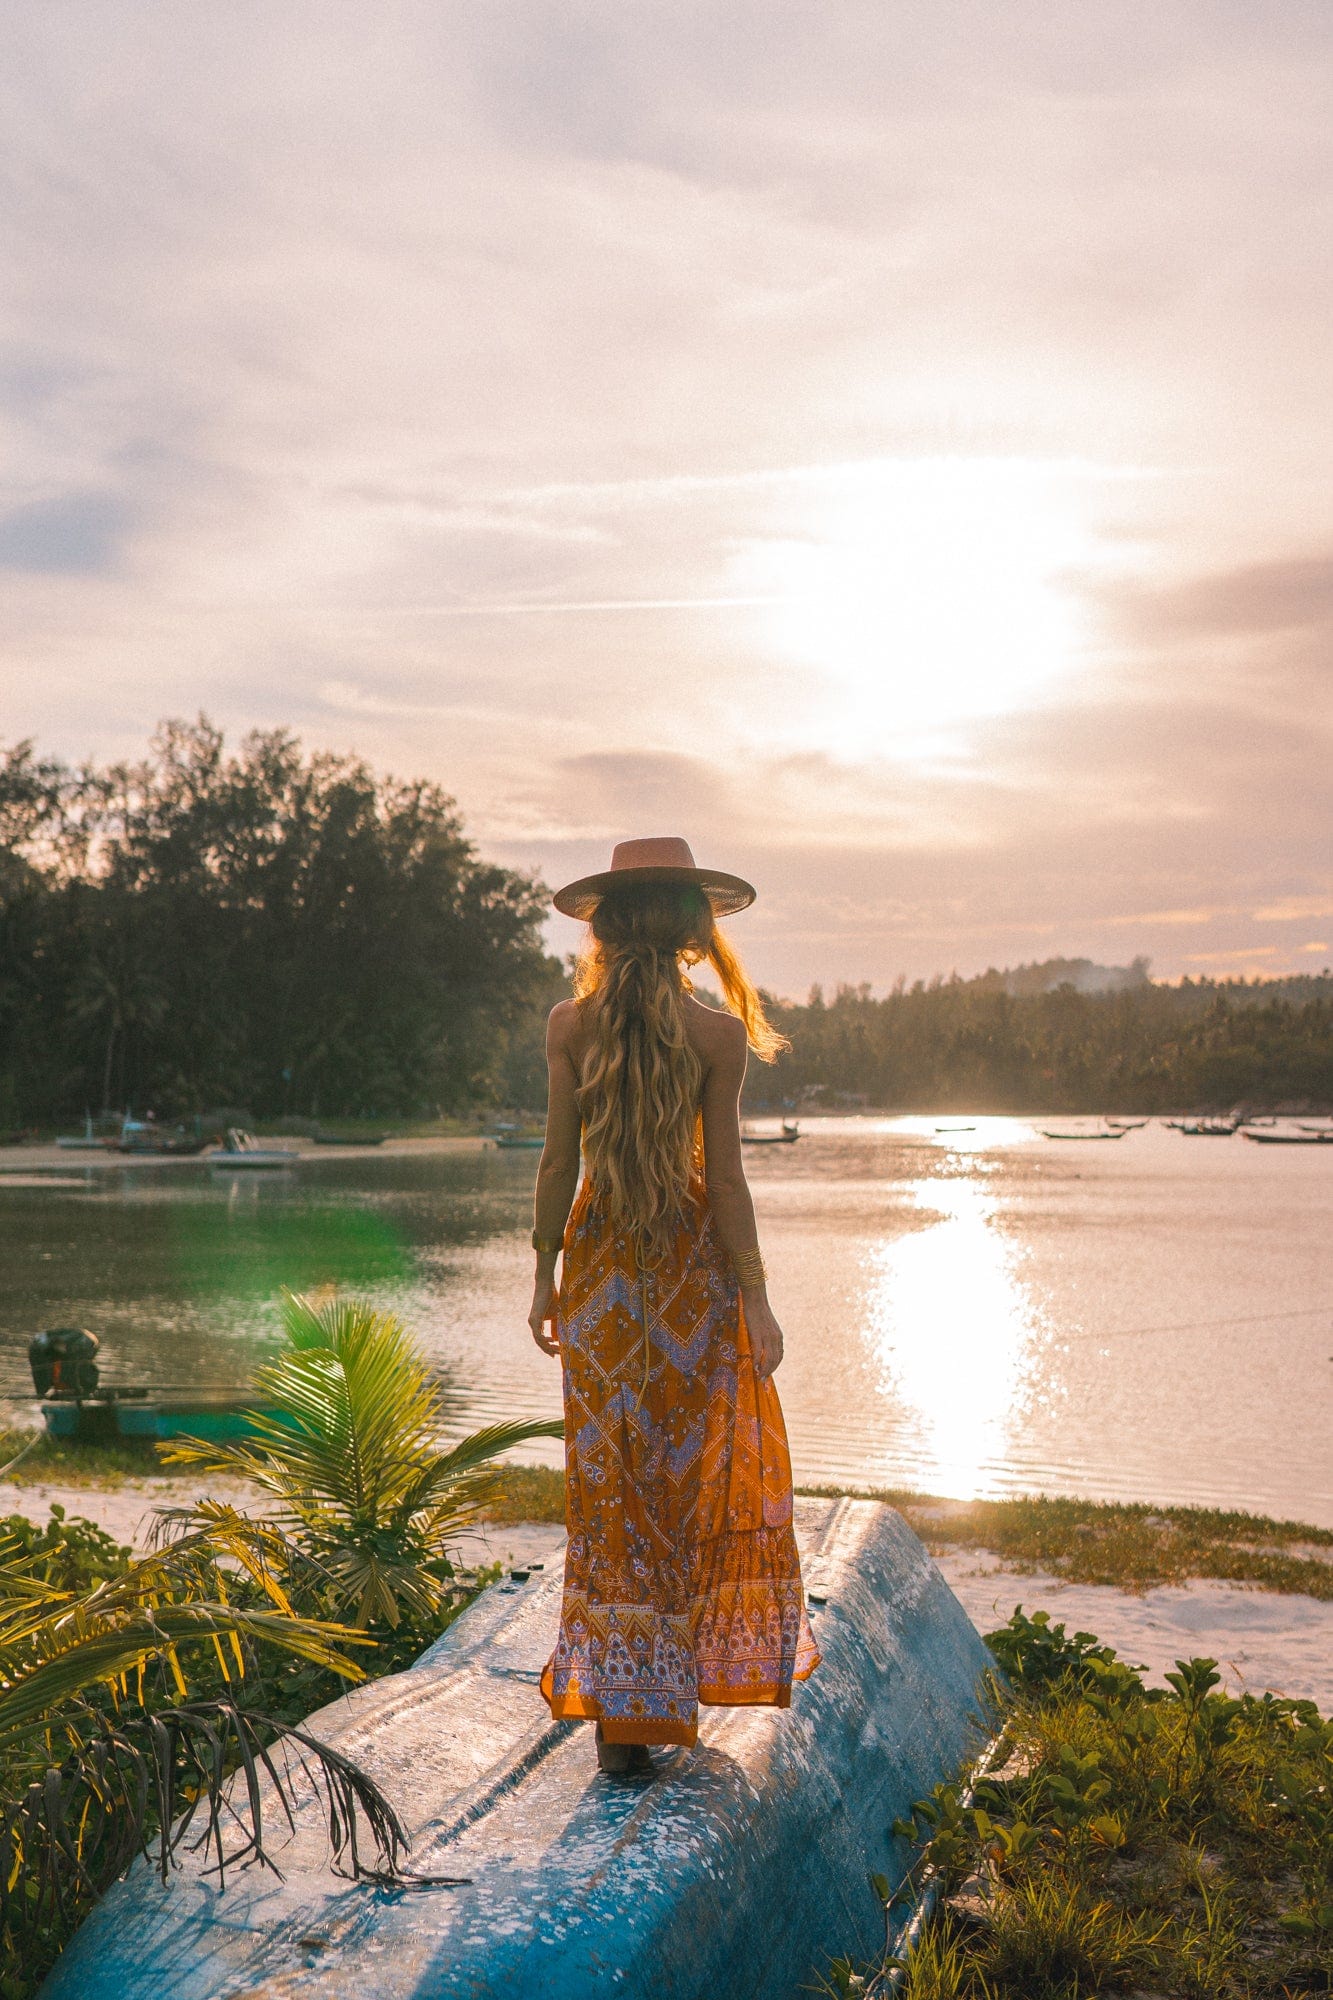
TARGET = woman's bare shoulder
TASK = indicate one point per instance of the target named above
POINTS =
(715, 1031)
(562, 1024)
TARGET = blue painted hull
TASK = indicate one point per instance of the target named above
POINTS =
(737, 1872)
(103, 1420)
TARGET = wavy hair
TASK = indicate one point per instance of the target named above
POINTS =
(640, 1084)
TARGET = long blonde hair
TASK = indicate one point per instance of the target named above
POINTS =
(640, 1084)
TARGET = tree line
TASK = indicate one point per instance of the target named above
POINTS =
(289, 934)
(997, 1043)
(263, 929)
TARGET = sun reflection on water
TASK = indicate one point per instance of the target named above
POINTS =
(954, 1331)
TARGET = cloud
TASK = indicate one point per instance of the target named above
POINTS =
(482, 388)
(73, 534)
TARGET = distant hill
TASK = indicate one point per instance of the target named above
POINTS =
(1083, 974)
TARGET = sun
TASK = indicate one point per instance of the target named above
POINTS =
(925, 592)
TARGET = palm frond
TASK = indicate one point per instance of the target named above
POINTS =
(128, 1785)
(80, 1647)
(350, 1448)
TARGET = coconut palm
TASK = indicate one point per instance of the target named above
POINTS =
(352, 1452)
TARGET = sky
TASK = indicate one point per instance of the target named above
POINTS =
(891, 445)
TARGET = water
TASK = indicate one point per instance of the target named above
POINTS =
(973, 1313)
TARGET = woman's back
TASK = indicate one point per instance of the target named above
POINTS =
(682, 1582)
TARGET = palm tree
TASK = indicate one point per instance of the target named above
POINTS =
(367, 1493)
(96, 1767)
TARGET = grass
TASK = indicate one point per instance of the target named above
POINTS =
(1169, 1841)
(529, 1493)
(59, 1462)
(1131, 1547)
(1082, 1541)
(525, 1492)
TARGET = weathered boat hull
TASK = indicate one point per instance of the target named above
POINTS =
(738, 1871)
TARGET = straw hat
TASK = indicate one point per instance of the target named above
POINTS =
(663, 858)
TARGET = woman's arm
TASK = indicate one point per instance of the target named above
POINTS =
(558, 1174)
(728, 1194)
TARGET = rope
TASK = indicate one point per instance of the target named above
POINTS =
(1200, 1325)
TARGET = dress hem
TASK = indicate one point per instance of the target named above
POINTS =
(661, 1729)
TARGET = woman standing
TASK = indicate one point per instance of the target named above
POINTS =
(682, 1582)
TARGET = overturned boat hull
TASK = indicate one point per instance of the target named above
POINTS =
(740, 1869)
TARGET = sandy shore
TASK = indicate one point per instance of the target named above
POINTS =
(1261, 1639)
(49, 1165)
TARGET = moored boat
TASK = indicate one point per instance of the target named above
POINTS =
(163, 1141)
(789, 1133)
(1302, 1138)
(242, 1149)
(77, 1404)
(145, 1415)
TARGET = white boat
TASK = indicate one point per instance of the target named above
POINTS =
(242, 1149)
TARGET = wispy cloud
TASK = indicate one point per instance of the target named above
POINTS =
(885, 446)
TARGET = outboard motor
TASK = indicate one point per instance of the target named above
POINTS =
(62, 1362)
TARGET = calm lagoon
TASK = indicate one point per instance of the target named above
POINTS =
(967, 1312)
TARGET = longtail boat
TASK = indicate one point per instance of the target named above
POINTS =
(738, 1870)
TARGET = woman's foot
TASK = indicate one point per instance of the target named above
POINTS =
(623, 1760)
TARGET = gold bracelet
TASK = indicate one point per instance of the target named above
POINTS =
(545, 1249)
(750, 1268)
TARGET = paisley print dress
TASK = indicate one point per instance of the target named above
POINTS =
(682, 1581)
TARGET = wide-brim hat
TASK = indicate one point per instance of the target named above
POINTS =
(663, 858)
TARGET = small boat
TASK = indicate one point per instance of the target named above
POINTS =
(1208, 1128)
(1127, 1124)
(955, 1128)
(1305, 1137)
(343, 1139)
(520, 1142)
(788, 1136)
(166, 1141)
(77, 1404)
(242, 1149)
(117, 1415)
(1115, 1132)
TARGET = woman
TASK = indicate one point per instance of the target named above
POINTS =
(682, 1582)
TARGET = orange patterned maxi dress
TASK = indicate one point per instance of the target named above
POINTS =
(682, 1581)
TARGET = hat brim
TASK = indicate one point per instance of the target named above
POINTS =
(726, 893)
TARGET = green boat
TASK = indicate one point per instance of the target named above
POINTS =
(152, 1415)
(77, 1404)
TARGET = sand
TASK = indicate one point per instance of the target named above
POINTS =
(1261, 1639)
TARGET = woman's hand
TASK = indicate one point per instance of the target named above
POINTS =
(545, 1299)
(765, 1336)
